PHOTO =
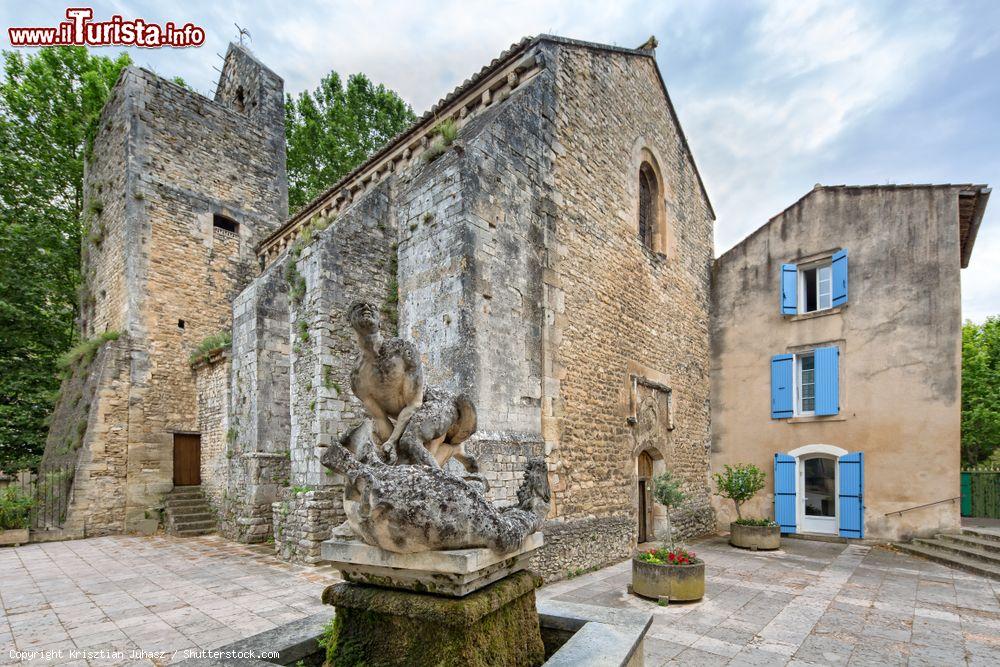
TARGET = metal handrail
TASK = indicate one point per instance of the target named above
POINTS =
(936, 502)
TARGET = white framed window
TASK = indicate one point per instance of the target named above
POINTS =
(805, 384)
(815, 286)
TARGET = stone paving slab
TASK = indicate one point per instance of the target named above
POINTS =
(811, 603)
(67, 602)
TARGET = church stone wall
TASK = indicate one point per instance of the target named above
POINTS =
(213, 392)
(259, 420)
(470, 265)
(616, 310)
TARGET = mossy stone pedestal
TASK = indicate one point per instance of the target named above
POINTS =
(496, 625)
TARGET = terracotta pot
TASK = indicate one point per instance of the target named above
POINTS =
(670, 583)
(763, 538)
(15, 536)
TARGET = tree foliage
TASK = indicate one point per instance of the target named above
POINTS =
(667, 491)
(49, 105)
(739, 483)
(334, 129)
(980, 391)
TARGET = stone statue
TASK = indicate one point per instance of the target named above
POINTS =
(416, 425)
(412, 508)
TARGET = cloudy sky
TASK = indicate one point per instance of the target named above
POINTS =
(774, 96)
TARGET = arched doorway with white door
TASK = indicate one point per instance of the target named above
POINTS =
(818, 489)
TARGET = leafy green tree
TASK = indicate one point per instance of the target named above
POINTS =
(980, 391)
(739, 483)
(334, 129)
(49, 105)
(667, 491)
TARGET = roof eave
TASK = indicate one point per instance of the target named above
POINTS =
(982, 196)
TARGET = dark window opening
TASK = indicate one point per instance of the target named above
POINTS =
(239, 102)
(180, 324)
(647, 205)
(809, 282)
(225, 224)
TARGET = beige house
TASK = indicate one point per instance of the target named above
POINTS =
(836, 362)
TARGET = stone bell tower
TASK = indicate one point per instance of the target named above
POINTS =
(179, 189)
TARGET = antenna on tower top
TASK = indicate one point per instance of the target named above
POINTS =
(243, 33)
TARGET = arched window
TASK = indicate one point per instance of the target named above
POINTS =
(648, 205)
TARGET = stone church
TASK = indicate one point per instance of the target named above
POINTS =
(552, 261)
(542, 235)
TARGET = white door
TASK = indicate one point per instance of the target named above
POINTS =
(817, 494)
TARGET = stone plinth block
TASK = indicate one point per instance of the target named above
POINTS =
(497, 626)
(455, 573)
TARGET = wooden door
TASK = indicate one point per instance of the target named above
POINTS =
(187, 459)
(642, 512)
(645, 497)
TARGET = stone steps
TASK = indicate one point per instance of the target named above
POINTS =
(188, 513)
(975, 541)
(973, 550)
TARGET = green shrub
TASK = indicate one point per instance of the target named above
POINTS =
(211, 345)
(739, 483)
(15, 508)
(755, 522)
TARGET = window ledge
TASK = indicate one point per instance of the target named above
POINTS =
(814, 314)
(814, 418)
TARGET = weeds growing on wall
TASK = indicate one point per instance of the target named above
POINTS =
(212, 344)
(82, 354)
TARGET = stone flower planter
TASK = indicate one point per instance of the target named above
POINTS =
(669, 583)
(754, 538)
(14, 536)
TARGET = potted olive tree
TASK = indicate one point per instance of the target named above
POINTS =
(670, 573)
(740, 483)
(15, 510)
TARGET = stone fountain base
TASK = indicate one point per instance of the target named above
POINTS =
(496, 625)
(455, 607)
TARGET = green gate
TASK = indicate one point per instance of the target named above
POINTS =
(981, 493)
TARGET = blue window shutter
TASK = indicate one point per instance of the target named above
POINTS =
(781, 386)
(852, 485)
(827, 380)
(840, 278)
(789, 283)
(784, 492)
